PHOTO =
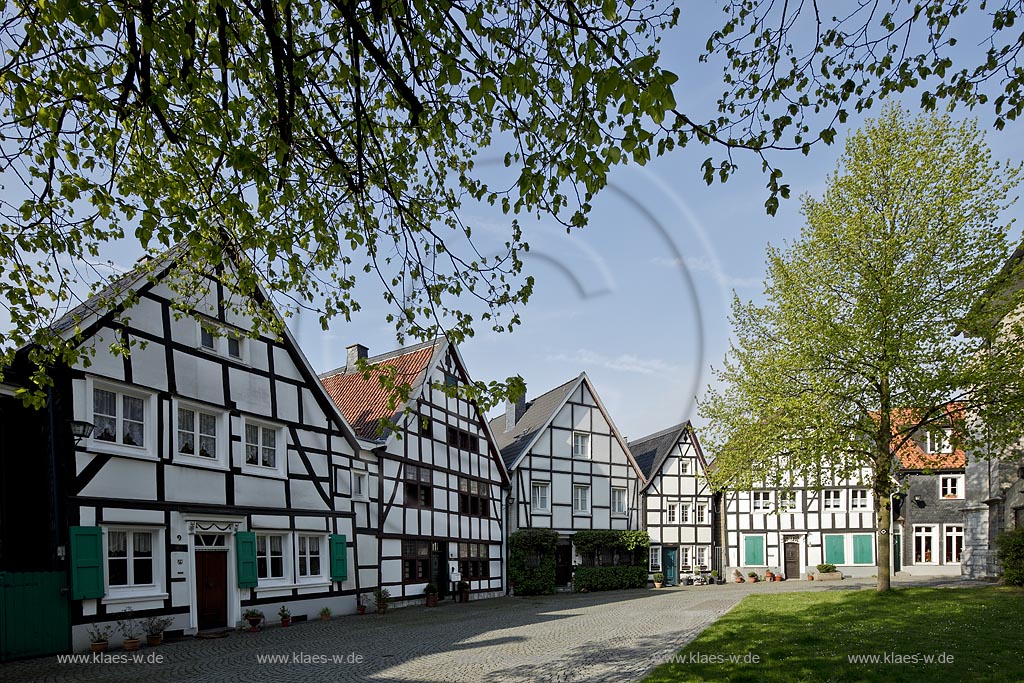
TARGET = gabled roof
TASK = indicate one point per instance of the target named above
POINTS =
(109, 299)
(913, 457)
(539, 412)
(651, 451)
(363, 401)
(117, 290)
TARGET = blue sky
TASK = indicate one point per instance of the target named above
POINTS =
(639, 298)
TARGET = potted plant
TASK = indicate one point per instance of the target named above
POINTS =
(431, 592)
(154, 628)
(778, 577)
(129, 629)
(254, 617)
(286, 616)
(463, 591)
(380, 598)
(751, 577)
(769, 575)
(810, 575)
(659, 580)
(325, 614)
(360, 604)
(99, 637)
(714, 577)
(737, 577)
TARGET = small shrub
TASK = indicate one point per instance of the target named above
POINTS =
(431, 589)
(531, 562)
(1010, 551)
(127, 625)
(155, 626)
(659, 578)
(826, 568)
(609, 578)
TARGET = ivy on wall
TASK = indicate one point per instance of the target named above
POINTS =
(531, 561)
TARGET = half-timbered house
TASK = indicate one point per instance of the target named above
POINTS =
(793, 529)
(678, 503)
(570, 467)
(218, 473)
(440, 512)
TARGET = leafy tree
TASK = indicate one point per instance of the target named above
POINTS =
(857, 349)
(316, 139)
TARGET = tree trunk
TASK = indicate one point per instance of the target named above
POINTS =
(882, 486)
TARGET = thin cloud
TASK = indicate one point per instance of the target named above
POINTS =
(700, 264)
(625, 362)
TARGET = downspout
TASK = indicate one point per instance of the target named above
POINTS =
(55, 510)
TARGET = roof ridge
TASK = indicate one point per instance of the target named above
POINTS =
(655, 435)
(379, 358)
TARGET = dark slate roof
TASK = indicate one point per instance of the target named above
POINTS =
(116, 290)
(364, 402)
(650, 451)
(539, 412)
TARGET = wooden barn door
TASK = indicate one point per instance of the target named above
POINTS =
(34, 618)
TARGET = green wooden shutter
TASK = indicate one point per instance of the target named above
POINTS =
(754, 546)
(862, 549)
(339, 557)
(835, 549)
(245, 554)
(86, 562)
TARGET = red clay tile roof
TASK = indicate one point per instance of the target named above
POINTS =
(364, 402)
(911, 454)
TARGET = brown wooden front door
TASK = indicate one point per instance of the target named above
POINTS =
(792, 560)
(212, 589)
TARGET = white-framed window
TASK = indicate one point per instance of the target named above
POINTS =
(309, 556)
(859, 499)
(952, 543)
(671, 513)
(221, 340)
(684, 513)
(787, 501)
(925, 544)
(580, 445)
(360, 485)
(618, 501)
(133, 559)
(939, 441)
(700, 513)
(701, 556)
(762, 501)
(951, 486)
(580, 499)
(124, 419)
(540, 496)
(833, 499)
(263, 448)
(271, 558)
(200, 435)
(684, 466)
(654, 558)
(684, 556)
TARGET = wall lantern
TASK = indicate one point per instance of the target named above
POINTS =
(80, 429)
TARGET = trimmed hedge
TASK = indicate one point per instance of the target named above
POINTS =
(1010, 551)
(609, 578)
(527, 576)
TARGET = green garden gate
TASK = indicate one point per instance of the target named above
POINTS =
(34, 618)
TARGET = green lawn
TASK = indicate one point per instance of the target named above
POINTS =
(809, 636)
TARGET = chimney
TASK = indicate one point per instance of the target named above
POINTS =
(354, 353)
(514, 412)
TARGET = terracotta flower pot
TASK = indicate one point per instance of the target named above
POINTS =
(658, 585)
(132, 644)
(432, 600)
(254, 623)
(778, 577)
(286, 621)
(361, 609)
(99, 646)
(153, 641)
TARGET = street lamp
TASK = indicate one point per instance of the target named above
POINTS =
(80, 429)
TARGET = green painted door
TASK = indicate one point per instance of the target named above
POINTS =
(34, 618)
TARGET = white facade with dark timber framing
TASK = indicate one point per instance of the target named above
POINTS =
(218, 475)
(791, 531)
(440, 517)
(570, 467)
(678, 503)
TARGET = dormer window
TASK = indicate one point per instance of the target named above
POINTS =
(938, 441)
